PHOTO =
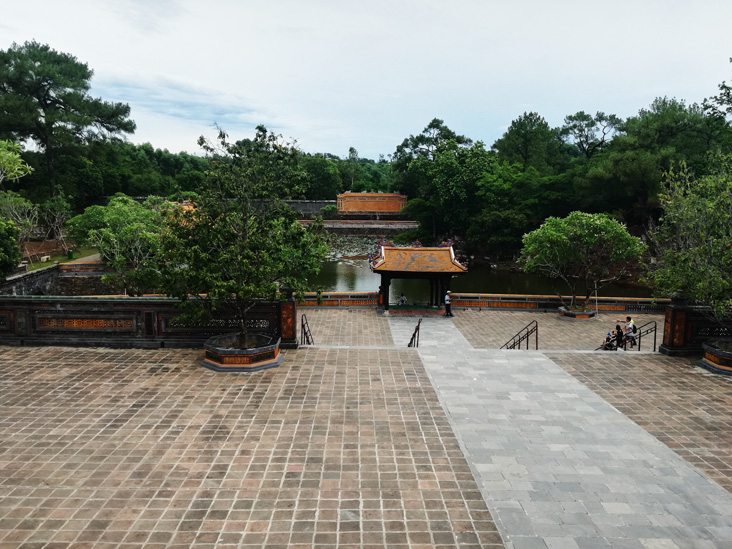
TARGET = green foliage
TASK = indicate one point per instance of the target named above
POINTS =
(329, 212)
(242, 242)
(323, 178)
(128, 236)
(694, 239)
(590, 133)
(22, 212)
(12, 166)
(530, 142)
(44, 97)
(9, 250)
(422, 146)
(55, 212)
(585, 251)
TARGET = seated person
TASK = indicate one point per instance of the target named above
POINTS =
(618, 337)
(402, 300)
(614, 340)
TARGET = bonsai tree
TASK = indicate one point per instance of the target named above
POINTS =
(693, 242)
(240, 242)
(128, 236)
(9, 249)
(586, 251)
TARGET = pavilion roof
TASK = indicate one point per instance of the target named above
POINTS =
(417, 260)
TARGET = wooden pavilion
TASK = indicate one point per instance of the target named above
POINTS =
(438, 265)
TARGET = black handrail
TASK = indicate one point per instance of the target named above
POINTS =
(644, 331)
(523, 335)
(414, 342)
(306, 338)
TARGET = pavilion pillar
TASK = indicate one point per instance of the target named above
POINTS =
(384, 290)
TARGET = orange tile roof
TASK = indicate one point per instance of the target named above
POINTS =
(417, 260)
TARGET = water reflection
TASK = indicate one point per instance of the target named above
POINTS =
(354, 275)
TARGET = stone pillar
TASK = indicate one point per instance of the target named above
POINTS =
(288, 320)
(678, 332)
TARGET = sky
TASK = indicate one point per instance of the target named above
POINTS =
(335, 74)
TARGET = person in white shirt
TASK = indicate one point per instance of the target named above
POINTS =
(448, 304)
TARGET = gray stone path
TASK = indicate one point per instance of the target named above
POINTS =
(558, 466)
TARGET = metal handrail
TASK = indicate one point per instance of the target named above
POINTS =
(641, 332)
(414, 342)
(524, 335)
(306, 338)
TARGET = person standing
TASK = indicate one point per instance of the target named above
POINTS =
(448, 304)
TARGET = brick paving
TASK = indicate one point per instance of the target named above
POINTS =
(132, 448)
(353, 327)
(491, 329)
(682, 405)
(346, 444)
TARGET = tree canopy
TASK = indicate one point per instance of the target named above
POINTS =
(9, 250)
(128, 236)
(693, 240)
(585, 251)
(44, 97)
(241, 242)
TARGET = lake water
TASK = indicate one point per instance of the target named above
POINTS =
(354, 275)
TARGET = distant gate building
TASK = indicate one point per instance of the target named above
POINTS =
(365, 203)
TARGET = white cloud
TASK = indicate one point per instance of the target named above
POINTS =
(340, 74)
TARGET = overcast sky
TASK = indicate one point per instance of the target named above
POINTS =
(339, 74)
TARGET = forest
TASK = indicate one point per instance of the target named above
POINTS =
(484, 195)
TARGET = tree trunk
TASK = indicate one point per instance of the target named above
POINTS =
(51, 171)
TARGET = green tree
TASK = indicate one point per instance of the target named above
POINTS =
(10, 254)
(55, 212)
(585, 251)
(128, 236)
(23, 213)
(323, 178)
(408, 179)
(530, 142)
(590, 133)
(625, 176)
(44, 96)
(242, 242)
(693, 241)
(12, 166)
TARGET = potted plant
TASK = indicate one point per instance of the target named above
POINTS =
(240, 242)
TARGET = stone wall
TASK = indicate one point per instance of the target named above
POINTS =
(310, 207)
(38, 282)
(83, 285)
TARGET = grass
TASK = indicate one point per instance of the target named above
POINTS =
(82, 252)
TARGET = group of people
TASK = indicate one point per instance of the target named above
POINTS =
(621, 337)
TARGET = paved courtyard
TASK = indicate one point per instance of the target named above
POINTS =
(361, 442)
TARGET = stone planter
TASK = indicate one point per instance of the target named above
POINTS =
(717, 356)
(566, 314)
(223, 355)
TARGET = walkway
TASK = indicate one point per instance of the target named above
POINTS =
(361, 442)
(559, 466)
